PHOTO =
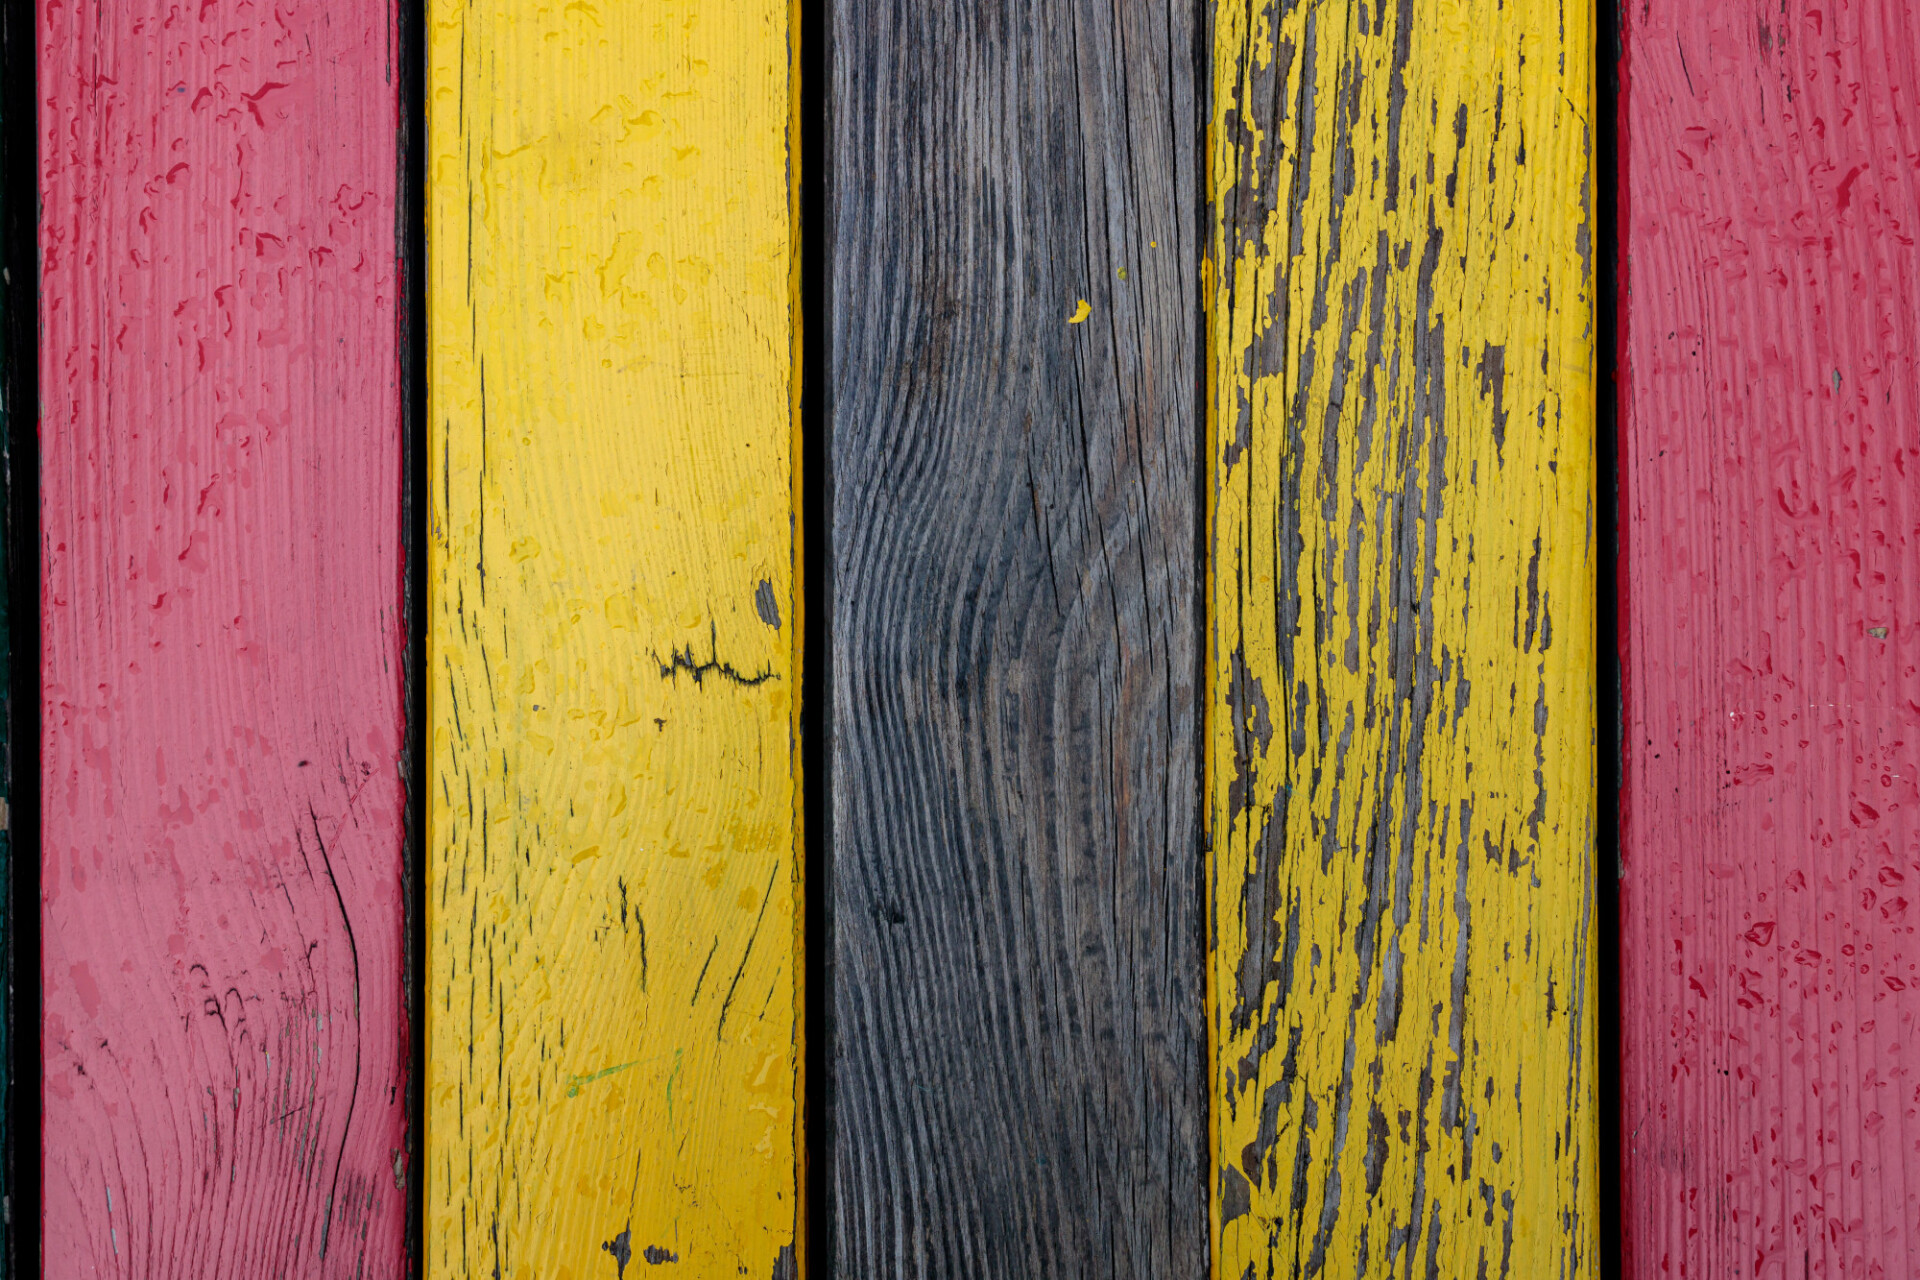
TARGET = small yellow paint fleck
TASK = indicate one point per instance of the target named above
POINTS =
(1080, 312)
(1122, 273)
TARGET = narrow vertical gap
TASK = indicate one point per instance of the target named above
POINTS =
(1610, 766)
(20, 401)
(411, 315)
(19, 171)
(815, 235)
(1203, 486)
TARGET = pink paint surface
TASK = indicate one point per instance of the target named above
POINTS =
(225, 1043)
(1771, 634)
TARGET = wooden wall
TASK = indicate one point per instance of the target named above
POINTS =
(838, 638)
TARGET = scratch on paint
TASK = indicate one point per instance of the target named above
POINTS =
(679, 660)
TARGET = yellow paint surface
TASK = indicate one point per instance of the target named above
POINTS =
(613, 892)
(1401, 743)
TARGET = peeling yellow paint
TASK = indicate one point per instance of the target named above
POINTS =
(614, 904)
(1401, 722)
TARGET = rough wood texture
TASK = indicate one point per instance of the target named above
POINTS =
(225, 1051)
(1018, 980)
(1401, 669)
(613, 894)
(1770, 442)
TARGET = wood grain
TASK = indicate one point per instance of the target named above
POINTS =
(1771, 836)
(1401, 666)
(1018, 982)
(225, 1047)
(613, 891)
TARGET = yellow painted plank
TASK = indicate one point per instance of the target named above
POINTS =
(1400, 763)
(613, 887)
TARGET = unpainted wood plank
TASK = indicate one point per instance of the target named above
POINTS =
(1018, 980)
(1401, 666)
(225, 1045)
(1770, 836)
(613, 885)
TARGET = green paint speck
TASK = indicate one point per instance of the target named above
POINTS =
(574, 1082)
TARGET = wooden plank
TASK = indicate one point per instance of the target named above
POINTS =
(1401, 672)
(1771, 836)
(225, 1047)
(614, 906)
(1018, 981)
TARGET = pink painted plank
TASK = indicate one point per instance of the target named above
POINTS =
(223, 628)
(1771, 630)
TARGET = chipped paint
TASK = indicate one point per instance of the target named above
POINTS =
(613, 806)
(1400, 753)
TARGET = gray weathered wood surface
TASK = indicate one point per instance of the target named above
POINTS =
(1018, 982)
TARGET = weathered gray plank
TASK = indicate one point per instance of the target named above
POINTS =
(1018, 982)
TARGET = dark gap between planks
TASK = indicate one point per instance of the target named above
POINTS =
(815, 168)
(1611, 709)
(20, 389)
(1203, 483)
(410, 213)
